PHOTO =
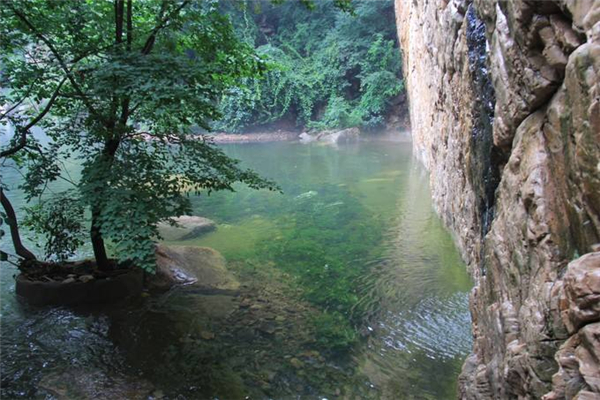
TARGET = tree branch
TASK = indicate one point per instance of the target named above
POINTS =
(152, 38)
(17, 104)
(60, 60)
(11, 220)
(129, 24)
(23, 131)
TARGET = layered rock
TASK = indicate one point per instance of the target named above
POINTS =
(505, 112)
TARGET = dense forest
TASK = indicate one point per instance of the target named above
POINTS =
(330, 67)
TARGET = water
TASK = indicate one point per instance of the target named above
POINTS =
(351, 289)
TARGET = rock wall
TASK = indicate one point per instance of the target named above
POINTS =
(505, 112)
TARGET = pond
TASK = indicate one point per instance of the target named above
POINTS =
(351, 288)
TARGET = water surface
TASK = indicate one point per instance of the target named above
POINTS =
(352, 288)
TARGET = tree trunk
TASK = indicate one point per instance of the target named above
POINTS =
(11, 220)
(110, 149)
(98, 244)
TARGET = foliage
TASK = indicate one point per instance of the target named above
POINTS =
(117, 86)
(331, 68)
(60, 220)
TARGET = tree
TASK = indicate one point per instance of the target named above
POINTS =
(336, 69)
(122, 85)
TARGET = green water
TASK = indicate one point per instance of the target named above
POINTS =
(366, 290)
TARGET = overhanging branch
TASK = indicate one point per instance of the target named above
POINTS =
(61, 61)
(24, 130)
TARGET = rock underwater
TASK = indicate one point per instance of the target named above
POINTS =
(202, 267)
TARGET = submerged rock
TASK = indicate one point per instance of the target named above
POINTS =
(201, 266)
(96, 385)
(188, 227)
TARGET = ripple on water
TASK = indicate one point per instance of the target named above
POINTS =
(438, 327)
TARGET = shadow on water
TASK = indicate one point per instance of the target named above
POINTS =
(351, 288)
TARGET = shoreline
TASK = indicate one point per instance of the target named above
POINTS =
(223, 138)
(266, 137)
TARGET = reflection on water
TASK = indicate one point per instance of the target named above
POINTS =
(353, 239)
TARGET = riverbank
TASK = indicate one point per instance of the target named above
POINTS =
(279, 136)
(283, 136)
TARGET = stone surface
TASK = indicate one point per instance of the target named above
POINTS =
(580, 297)
(200, 266)
(505, 112)
(332, 137)
(95, 385)
(187, 227)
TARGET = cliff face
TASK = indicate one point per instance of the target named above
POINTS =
(505, 112)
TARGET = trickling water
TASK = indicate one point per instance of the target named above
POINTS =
(352, 288)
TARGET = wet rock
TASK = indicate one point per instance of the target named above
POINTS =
(519, 235)
(207, 335)
(86, 278)
(306, 138)
(246, 303)
(581, 296)
(267, 327)
(187, 227)
(95, 385)
(338, 137)
(332, 137)
(68, 280)
(200, 266)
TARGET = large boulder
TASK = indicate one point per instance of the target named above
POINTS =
(344, 136)
(200, 266)
(332, 137)
(187, 227)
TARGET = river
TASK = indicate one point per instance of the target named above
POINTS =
(351, 288)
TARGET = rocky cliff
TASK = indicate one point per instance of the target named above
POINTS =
(505, 112)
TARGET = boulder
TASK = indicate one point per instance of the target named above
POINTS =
(332, 137)
(201, 266)
(581, 298)
(344, 136)
(188, 227)
(306, 138)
